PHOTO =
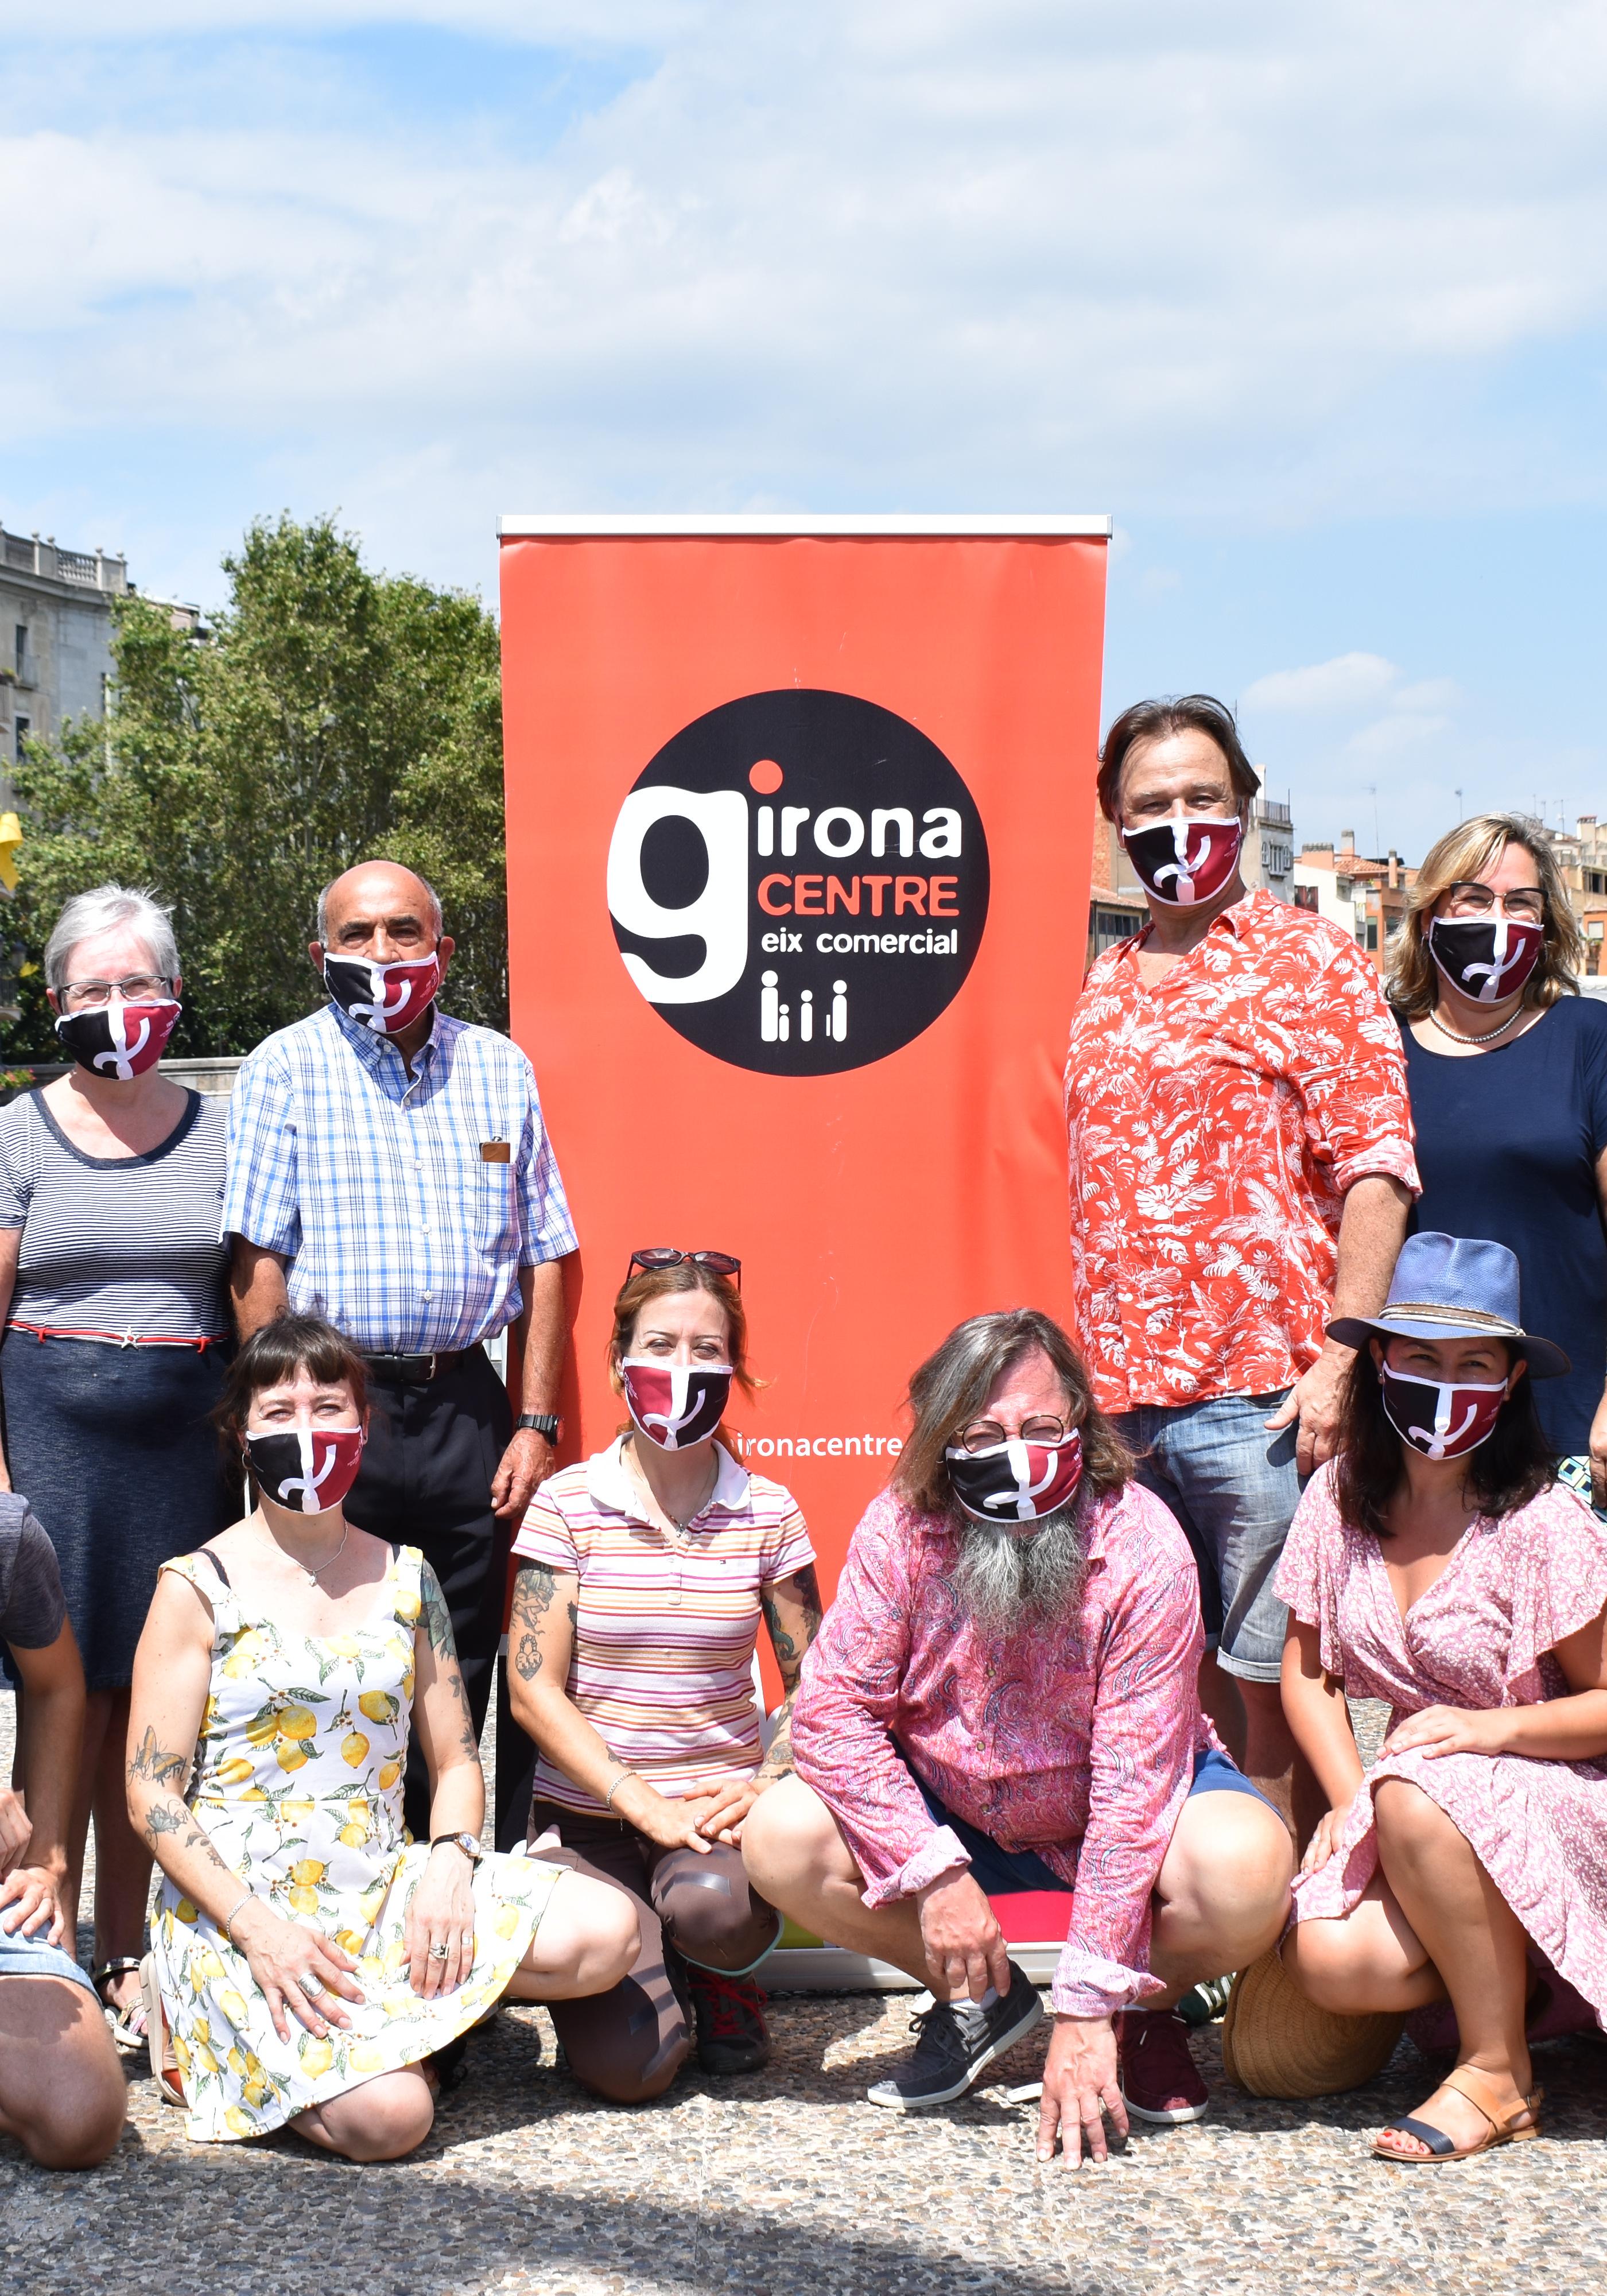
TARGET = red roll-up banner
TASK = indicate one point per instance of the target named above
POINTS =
(799, 823)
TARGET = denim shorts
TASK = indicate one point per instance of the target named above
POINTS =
(32, 1956)
(1004, 1873)
(1234, 1488)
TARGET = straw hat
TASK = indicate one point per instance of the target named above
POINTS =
(1276, 2043)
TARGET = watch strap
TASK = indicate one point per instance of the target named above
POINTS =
(541, 1423)
(464, 1841)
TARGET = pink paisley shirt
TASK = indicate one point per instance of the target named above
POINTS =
(1216, 1121)
(1076, 1740)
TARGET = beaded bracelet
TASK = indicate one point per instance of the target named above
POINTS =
(608, 1800)
(228, 1917)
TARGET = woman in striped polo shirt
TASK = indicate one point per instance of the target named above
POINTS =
(643, 1573)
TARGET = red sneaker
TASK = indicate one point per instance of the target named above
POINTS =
(732, 2034)
(1159, 2079)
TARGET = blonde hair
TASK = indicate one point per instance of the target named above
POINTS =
(1461, 856)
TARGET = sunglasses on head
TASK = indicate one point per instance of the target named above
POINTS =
(664, 1255)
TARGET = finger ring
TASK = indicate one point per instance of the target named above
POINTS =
(311, 1985)
(439, 1952)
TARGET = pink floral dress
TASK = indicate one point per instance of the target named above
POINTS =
(1482, 1636)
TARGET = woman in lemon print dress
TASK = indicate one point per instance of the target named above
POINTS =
(307, 1958)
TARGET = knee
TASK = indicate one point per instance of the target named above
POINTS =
(79, 2125)
(1232, 1877)
(1404, 1815)
(611, 1943)
(383, 2121)
(786, 1836)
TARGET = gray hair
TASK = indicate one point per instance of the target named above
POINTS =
(101, 910)
(436, 919)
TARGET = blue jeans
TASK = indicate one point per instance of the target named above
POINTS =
(35, 1957)
(1233, 1487)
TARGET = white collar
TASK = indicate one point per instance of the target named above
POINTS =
(609, 1482)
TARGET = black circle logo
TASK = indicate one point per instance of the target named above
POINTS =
(799, 882)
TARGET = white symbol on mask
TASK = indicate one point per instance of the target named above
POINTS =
(1434, 1445)
(123, 1054)
(1019, 1460)
(1495, 973)
(311, 1480)
(680, 1415)
(1186, 866)
(375, 1016)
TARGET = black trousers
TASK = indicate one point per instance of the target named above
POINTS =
(629, 2044)
(426, 1481)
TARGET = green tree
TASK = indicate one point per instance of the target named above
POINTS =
(332, 715)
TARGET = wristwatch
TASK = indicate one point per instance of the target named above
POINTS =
(541, 1423)
(464, 1841)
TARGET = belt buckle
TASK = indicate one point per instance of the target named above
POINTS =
(429, 1372)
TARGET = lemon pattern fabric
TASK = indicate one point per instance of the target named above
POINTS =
(297, 1780)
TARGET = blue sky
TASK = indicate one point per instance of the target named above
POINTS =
(1314, 301)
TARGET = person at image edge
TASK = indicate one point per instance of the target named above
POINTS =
(388, 1168)
(1241, 1170)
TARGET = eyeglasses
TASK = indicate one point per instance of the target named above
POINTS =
(664, 1255)
(136, 988)
(987, 1434)
(1464, 899)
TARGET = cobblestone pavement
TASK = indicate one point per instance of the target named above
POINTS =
(790, 2181)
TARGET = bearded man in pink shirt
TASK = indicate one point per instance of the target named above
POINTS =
(1003, 1698)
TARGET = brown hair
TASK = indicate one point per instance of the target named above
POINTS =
(1459, 856)
(649, 1284)
(1158, 721)
(277, 1352)
(1515, 1465)
(954, 1384)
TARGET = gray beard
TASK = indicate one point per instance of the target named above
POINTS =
(1008, 1577)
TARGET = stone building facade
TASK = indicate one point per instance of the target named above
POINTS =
(55, 637)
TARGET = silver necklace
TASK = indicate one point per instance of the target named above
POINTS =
(680, 1522)
(1489, 1035)
(314, 1575)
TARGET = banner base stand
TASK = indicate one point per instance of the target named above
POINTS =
(832, 1969)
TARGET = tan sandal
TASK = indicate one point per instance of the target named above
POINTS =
(164, 2068)
(1482, 2093)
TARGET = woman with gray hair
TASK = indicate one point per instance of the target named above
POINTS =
(1507, 1066)
(111, 1296)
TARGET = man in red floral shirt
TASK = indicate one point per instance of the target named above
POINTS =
(1242, 1170)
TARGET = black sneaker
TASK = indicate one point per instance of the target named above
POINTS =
(733, 2037)
(958, 2041)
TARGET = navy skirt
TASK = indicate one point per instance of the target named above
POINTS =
(113, 1449)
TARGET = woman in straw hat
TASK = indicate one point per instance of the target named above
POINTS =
(1434, 1563)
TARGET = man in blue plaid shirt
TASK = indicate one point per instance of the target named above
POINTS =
(388, 1168)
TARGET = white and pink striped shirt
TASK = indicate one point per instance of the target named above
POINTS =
(663, 1655)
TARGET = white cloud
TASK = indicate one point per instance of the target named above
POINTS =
(1255, 263)
(1397, 736)
(1350, 681)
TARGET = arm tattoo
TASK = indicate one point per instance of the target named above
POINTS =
(438, 1618)
(534, 1588)
(778, 1762)
(789, 1652)
(156, 1764)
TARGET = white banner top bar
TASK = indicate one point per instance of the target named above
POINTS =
(785, 523)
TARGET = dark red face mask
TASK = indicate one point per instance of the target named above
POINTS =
(1183, 863)
(384, 998)
(307, 1469)
(119, 1040)
(674, 1405)
(1016, 1482)
(1442, 1420)
(1487, 958)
